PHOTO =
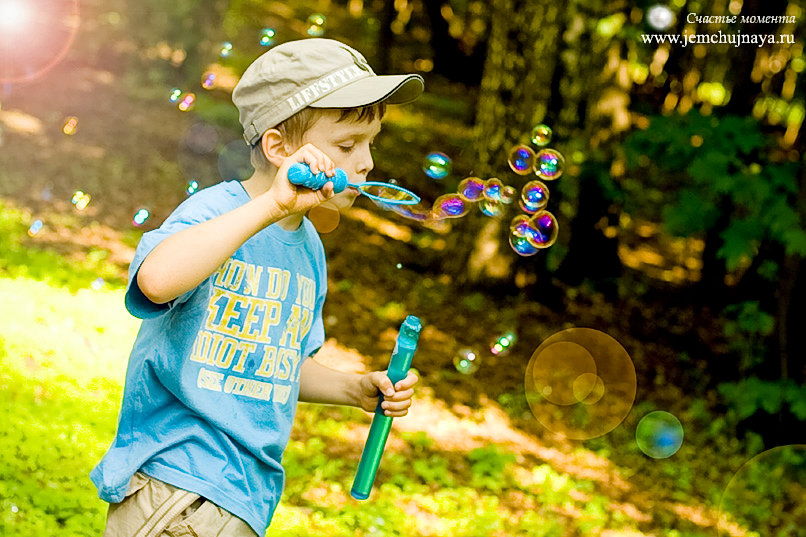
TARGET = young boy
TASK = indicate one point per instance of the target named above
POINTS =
(230, 289)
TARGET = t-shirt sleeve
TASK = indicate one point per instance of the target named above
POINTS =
(195, 210)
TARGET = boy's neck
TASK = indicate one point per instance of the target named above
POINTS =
(258, 184)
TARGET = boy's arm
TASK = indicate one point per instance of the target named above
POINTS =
(321, 384)
(185, 259)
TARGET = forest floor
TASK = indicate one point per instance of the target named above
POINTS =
(126, 153)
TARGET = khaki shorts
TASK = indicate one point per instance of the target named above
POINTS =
(153, 508)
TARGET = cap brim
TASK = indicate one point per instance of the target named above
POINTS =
(393, 89)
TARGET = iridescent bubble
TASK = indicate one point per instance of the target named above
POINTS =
(97, 284)
(466, 361)
(140, 217)
(508, 194)
(192, 187)
(267, 37)
(659, 435)
(70, 126)
(325, 217)
(419, 212)
(534, 196)
(549, 164)
(503, 344)
(81, 200)
(449, 206)
(437, 165)
(765, 496)
(541, 135)
(521, 159)
(544, 230)
(518, 230)
(471, 188)
(492, 208)
(580, 383)
(208, 81)
(36, 227)
(187, 102)
(316, 25)
(492, 189)
(226, 49)
(175, 95)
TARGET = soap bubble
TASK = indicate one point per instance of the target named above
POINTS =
(192, 187)
(234, 161)
(316, 25)
(466, 361)
(437, 165)
(544, 230)
(175, 95)
(81, 200)
(534, 196)
(70, 125)
(549, 164)
(660, 17)
(36, 227)
(508, 194)
(187, 102)
(518, 231)
(521, 159)
(492, 189)
(503, 344)
(541, 135)
(226, 49)
(492, 208)
(471, 189)
(208, 81)
(449, 206)
(659, 435)
(140, 217)
(267, 37)
(97, 284)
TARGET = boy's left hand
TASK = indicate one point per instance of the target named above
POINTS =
(396, 399)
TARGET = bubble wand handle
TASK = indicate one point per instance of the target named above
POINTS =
(300, 174)
(398, 368)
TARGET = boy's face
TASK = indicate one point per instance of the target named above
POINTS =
(348, 144)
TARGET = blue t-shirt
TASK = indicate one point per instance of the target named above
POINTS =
(213, 377)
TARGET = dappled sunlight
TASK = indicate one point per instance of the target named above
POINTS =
(646, 248)
(21, 122)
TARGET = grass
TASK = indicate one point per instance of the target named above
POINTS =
(63, 349)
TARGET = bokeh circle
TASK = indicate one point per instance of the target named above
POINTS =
(767, 495)
(580, 383)
(659, 434)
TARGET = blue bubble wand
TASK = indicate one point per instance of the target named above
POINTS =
(300, 174)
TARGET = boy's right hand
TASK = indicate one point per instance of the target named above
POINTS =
(291, 198)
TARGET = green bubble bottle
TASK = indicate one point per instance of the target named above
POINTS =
(398, 368)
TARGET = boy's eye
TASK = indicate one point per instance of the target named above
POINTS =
(346, 148)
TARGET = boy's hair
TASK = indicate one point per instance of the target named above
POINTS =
(295, 127)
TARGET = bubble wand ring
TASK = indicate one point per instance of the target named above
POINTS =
(398, 369)
(300, 174)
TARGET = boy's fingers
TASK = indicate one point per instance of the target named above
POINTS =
(410, 380)
(402, 395)
(383, 383)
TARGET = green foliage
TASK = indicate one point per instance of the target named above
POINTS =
(746, 325)
(712, 165)
(750, 395)
(489, 467)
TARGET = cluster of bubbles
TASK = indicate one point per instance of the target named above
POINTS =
(316, 25)
(225, 50)
(183, 101)
(267, 36)
(537, 229)
(530, 232)
(467, 361)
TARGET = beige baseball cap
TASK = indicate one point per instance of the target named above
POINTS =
(320, 73)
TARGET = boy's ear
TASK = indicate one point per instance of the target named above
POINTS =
(274, 147)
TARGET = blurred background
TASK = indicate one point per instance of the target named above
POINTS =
(678, 267)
